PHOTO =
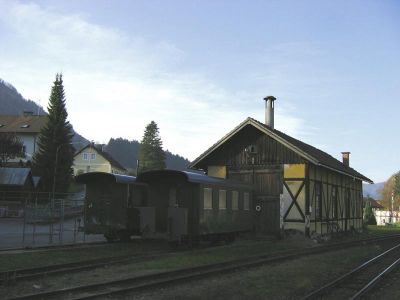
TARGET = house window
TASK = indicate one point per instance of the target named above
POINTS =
(222, 199)
(93, 156)
(235, 200)
(85, 156)
(207, 198)
(246, 201)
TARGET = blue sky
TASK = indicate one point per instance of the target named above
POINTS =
(199, 68)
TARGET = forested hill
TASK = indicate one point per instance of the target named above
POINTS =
(127, 153)
(12, 103)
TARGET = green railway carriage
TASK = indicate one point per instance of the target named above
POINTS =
(114, 204)
(192, 206)
(174, 205)
(297, 186)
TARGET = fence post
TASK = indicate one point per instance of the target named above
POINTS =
(34, 221)
(51, 202)
(24, 226)
(61, 220)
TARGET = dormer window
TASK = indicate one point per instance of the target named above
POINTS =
(25, 126)
(1, 125)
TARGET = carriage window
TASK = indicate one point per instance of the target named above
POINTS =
(222, 199)
(207, 198)
(172, 197)
(246, 201)
(235, 200)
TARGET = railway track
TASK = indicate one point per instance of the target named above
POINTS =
(147, 282)
(84, 265)
(361, 280)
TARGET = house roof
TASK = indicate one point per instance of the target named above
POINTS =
(374, 203)
(22, 124)
(306, 151)
(14, 176)
(106, 156)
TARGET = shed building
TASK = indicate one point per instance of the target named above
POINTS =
(297, 186)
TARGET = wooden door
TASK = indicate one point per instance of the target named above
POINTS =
(266, 201)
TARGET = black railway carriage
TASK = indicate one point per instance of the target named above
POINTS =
(114, 204)
(193, 206)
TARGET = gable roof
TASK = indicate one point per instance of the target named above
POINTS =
(22, 124)
(306, 151)
(15, 176)
(106, 156)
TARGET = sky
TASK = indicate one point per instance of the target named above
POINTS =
(199, 68)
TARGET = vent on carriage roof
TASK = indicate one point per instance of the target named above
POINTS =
(1, 125)
(25, 126)
(269, 111)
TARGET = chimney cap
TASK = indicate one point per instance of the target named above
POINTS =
(346, 152)
(270, 98)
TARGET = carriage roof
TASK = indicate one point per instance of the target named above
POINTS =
(103, 176)
(191, 177)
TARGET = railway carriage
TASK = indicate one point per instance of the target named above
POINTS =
(114, 204)
(174, 205)
(192, 206)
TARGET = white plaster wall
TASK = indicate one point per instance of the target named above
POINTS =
(383, 217)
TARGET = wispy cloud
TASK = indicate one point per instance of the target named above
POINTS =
(117, 82)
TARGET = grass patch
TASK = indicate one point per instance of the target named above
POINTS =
(289, 280)
(52, 257)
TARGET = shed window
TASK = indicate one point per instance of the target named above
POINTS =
(222, 199)
(318, 200)
(334, 201)
(207, 198)
(246, 201)
(235, 200)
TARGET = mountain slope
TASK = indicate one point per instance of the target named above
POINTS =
(127, 153)
(373, 190)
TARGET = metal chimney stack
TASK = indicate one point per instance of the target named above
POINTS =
(269, 111)
(346, 158)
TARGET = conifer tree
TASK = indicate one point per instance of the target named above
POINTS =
(10, 147)
(369, 217)
(53, 162)
(151, 154)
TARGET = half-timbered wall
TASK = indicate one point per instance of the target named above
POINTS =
(335, 201)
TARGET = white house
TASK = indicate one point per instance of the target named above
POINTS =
(27, 128)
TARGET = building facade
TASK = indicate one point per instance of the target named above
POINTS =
(93, 159)
(297, 186)
(27, 128)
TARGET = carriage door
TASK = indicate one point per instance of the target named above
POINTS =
(177, 216)
(267, 199)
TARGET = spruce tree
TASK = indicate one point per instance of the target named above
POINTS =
(53, 162)
(369, 217)
(151, 154)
